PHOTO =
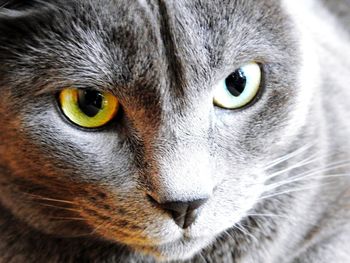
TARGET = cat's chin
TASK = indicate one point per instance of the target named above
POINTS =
(180, 249)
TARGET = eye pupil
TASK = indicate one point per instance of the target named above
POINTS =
(90, 102)
(236, 83)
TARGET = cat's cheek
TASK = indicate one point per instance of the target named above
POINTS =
(228, 206)
(134, 222)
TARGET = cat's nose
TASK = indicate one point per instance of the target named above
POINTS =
(183, 213)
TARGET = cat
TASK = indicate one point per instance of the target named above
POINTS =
(225, 138)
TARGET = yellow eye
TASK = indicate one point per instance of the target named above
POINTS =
(88, 108)
(239, 88)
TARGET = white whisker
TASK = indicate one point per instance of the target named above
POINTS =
(309, 174)
(245, 231)
(303, 163)
(289, 155)
(304, 178)
(292, 190)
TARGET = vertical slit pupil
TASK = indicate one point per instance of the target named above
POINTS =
(90, 102)
(236, 83)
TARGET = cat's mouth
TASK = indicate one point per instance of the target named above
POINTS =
(179, 249)
(179, 245)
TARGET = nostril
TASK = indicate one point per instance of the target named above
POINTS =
(184, 213)
(182, 207)
(152, 200)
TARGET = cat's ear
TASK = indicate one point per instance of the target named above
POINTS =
(20, 8)
(20, 19)
(16, 4)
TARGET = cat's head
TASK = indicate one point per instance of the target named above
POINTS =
(168, 143)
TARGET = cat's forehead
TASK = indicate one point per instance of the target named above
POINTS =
(190, 40)
(197, 29)
(148, 44)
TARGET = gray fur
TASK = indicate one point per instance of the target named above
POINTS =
(74, 195)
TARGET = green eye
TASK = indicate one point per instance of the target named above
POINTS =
(88, 108)
(238, 89)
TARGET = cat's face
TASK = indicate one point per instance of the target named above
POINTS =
(162, 61)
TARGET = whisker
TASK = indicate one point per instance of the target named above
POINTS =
(95, 229)
(310, 173)
(245, 231)
(291, 190)
(267, 215)
(304, 178)
(289, 155)
(50, 199)
(200, 254)
(59, 207)
(69, 218)
(305, 162)
(90, 233)
(254, 229)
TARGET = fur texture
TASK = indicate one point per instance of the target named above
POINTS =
(276, 172)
